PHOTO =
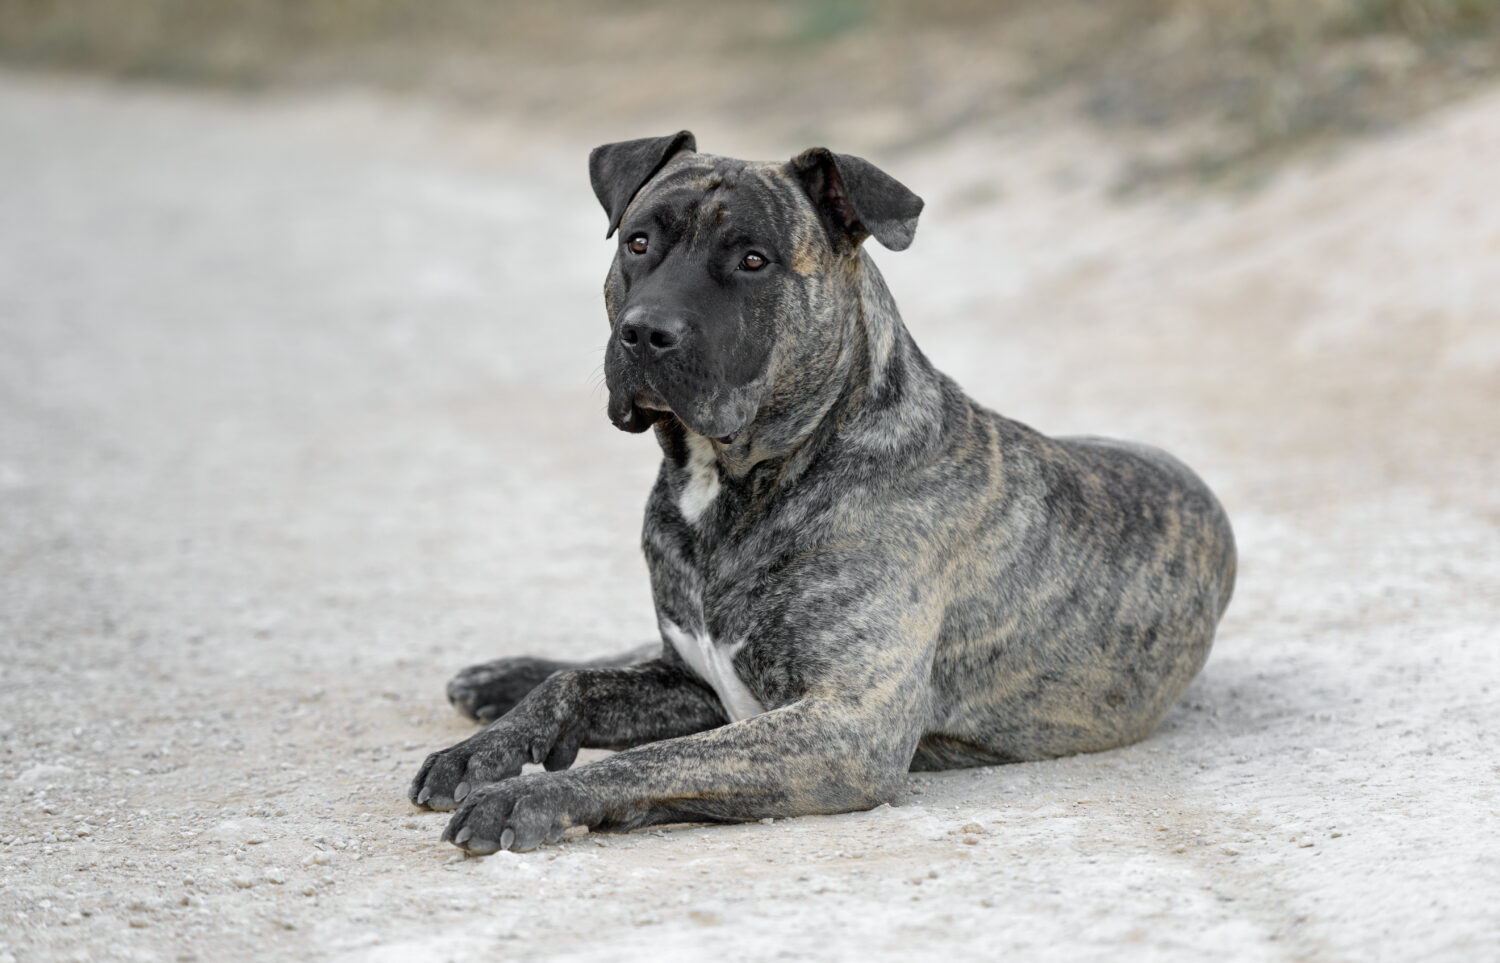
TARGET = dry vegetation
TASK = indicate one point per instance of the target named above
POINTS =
(1237, 81)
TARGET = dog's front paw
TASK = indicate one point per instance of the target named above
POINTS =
(491, 689)
(449, 775)
(518, 814)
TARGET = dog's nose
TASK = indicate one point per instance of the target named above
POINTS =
(651, 336)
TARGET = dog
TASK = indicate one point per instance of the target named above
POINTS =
(857, 571)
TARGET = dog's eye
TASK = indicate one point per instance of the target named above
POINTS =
(637, 244)
(753, 262)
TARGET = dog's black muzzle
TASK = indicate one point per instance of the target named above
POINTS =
(647, 354)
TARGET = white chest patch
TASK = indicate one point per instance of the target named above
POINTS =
(714, 664)
(703, 480)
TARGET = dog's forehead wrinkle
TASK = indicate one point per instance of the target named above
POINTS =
(727, 175)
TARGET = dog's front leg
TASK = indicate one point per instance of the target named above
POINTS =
(489, 690)
(819, 755)
(606, 708)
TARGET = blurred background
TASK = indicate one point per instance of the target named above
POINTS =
(1235, 82)
(301, 411)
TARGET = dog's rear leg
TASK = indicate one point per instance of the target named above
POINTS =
(489, 690)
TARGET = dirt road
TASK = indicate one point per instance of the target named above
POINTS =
(300, 412)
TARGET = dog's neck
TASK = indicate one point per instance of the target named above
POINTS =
(866, 390)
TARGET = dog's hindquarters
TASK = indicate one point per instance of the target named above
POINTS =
(1117, 562)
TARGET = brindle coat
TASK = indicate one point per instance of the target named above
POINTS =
(857, 569)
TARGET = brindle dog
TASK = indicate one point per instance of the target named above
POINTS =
(858, 571)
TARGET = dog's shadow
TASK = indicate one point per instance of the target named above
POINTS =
(1237, 712)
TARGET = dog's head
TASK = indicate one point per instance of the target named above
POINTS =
(731, 278)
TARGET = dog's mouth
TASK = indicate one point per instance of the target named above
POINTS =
(632, 418)
(637, 412)
(650, 401)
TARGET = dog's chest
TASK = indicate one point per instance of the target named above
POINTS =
(702, 485)
(698, 489)
(714, 664)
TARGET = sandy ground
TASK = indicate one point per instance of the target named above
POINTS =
(300, 412)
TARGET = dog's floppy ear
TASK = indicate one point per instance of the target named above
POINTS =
(618, 171)
(858, 198)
